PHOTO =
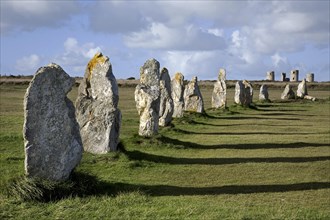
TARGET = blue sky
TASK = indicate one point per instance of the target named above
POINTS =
(247, 38)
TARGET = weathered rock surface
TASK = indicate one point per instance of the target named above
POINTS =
(177, 95)
(243, 93)
(302, 89)
(53, 146)
(97, 107)
(263, 94)
(166, 105)
(288, 93)
(147, 98)
(219, 95)
(164, 75)
(193, 100)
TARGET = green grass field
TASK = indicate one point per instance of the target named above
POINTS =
(267, 162)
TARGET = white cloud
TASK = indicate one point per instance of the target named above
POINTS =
(189, 37)
(28, 63)
(30, 15)
(76, 56)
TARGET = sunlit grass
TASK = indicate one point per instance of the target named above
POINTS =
(271, 161)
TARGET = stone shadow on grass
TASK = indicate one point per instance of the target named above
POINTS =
(166, 190)
(143, 156)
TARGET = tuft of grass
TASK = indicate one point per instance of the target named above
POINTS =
(34, 189)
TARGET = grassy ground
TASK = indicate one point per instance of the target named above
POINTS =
(267, 162)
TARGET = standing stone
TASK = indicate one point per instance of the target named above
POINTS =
(193, 100)
(52, 141)
(177, 95)
(166, 101)
(97, 107)
(166, 105)
(164, 75)
(219, 95)
(283, 77)
(294, 76)
(302, 89)
(243, 93)
(310, 77)
(147, 98)
(288, 93)
(270, 76)
(263, 95)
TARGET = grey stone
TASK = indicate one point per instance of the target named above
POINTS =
(164, 75)
(219, 94)
(288, 93)
(97, 107)
(53, 146)
(270, 76)
(177, 95)
(263, 94)
(294, 76)
(310, 77)
(166, 105)
(243, 93)
(147, 98)
(302, 89)
(193, 100)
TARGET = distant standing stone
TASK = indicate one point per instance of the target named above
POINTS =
(302, 89)
(97, 107)
(53, 146)
(263, 94)
(177, 95)
(193, 100)
(166, 101)
(243, 93)
(288, 93)
(147, 98)
(166, 105)
(219, 95)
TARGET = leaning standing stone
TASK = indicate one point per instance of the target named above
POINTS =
(147, 98)
(193, 100)
(302, 89)
(97, 107)
(263, 94)
(52, 141)
(288, 93)
(177, 95)
(219, 95)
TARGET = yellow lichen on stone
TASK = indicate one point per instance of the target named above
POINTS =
(178, 76)
(98, 58)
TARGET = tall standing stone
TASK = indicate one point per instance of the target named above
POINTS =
(97, 107)
(219, 95)
(294, 76)
(302, 89)
(263, 94)
(243, 93)
(310, 77)
(193, 100)
(147, 98)
(177, 95)
(52, 141)
(166, 105)
(288, 93)
(270, 76)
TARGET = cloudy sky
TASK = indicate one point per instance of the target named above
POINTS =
(247, 38)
